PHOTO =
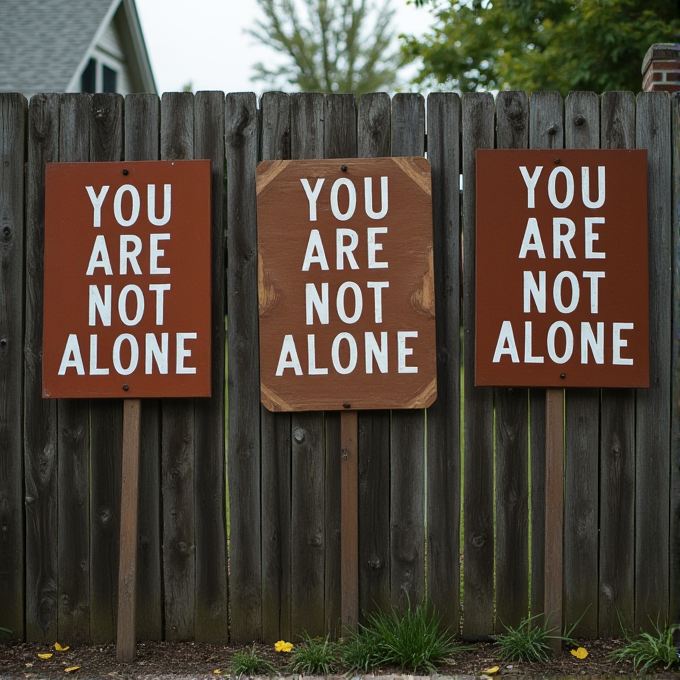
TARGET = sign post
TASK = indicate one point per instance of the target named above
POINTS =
(127, 306)
(561, 291)
(346, 302)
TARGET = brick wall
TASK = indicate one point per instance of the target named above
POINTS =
(661, 68)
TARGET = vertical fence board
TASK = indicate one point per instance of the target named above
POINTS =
(276, 437)
(106, 426)
(478, 547)
(652, 440)
(243, 374)
(178, 444)
(308, 542)
(142, 143)
(73, 438)
(443, 417)
(546, 131)
(617, 444)
(13, 111)
(675, 371)
(582, 406)
(40, 416)
(340, 141)
(512, 422)
(407, 467)
(373, 140)
(212, 625)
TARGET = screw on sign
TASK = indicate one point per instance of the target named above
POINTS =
(561, 268)
(127, 279)
(346, 292)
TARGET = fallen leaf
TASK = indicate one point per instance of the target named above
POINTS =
(29, 665)
(579, 653)
(45, 656)
(217, 671)
(491, 671)
(71, 669)
(59, 648)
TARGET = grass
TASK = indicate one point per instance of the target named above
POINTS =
(413, 640)
(250, 663)
(315, 656)
(530, 641)
(648, 651)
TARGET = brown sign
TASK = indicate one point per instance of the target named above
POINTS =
(127, 280)
(346, 284)
(561, 268)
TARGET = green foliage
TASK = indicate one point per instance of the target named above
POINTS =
(250, 663)
(341, 46)
(528, 642)
(648, 651)
(413, 640)
(598, 45)
(315, 656)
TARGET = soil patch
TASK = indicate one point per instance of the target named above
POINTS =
(193, 660)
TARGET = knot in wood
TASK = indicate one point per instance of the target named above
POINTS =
(478, 541)
(299, 435)
(552, 130)
(579, 121)
(375, 563)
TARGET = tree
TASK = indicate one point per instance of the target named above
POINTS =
(530, 45)
(342, 46)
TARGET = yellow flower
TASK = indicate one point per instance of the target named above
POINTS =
(579, 653)
(282, 646)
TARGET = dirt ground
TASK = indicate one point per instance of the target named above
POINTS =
(192, 660)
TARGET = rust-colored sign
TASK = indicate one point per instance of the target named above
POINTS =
(346, 284)
(561, 268)
(127, 280)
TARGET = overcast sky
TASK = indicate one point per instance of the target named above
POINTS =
(203, 41)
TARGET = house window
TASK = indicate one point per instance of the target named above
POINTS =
(109, 78)
(88, 80)
(98, 77)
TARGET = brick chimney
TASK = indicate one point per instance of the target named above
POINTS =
(661, 68)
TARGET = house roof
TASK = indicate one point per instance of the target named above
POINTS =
(45, 44)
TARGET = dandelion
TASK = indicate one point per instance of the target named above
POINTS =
(283, 646)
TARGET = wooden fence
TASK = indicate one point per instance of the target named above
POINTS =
(451, 500)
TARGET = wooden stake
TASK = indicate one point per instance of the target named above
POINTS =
(127, 571)
(554, 511)
(349, 520)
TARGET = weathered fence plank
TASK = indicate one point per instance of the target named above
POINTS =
(340, 141)
(276, 436)
(443, 417)
(13, 112)
(244, 458)
(512, 423)
(546, 131)
(374, 141)
(106, 426)
(652, 441)
(40, 415)
(582, 131)
(73, 436)
(142, 143)
(178, 446)
(478, 133)
(212, 624)
(675, 370)
(407, 467)
(617, 443)
(308, 537)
